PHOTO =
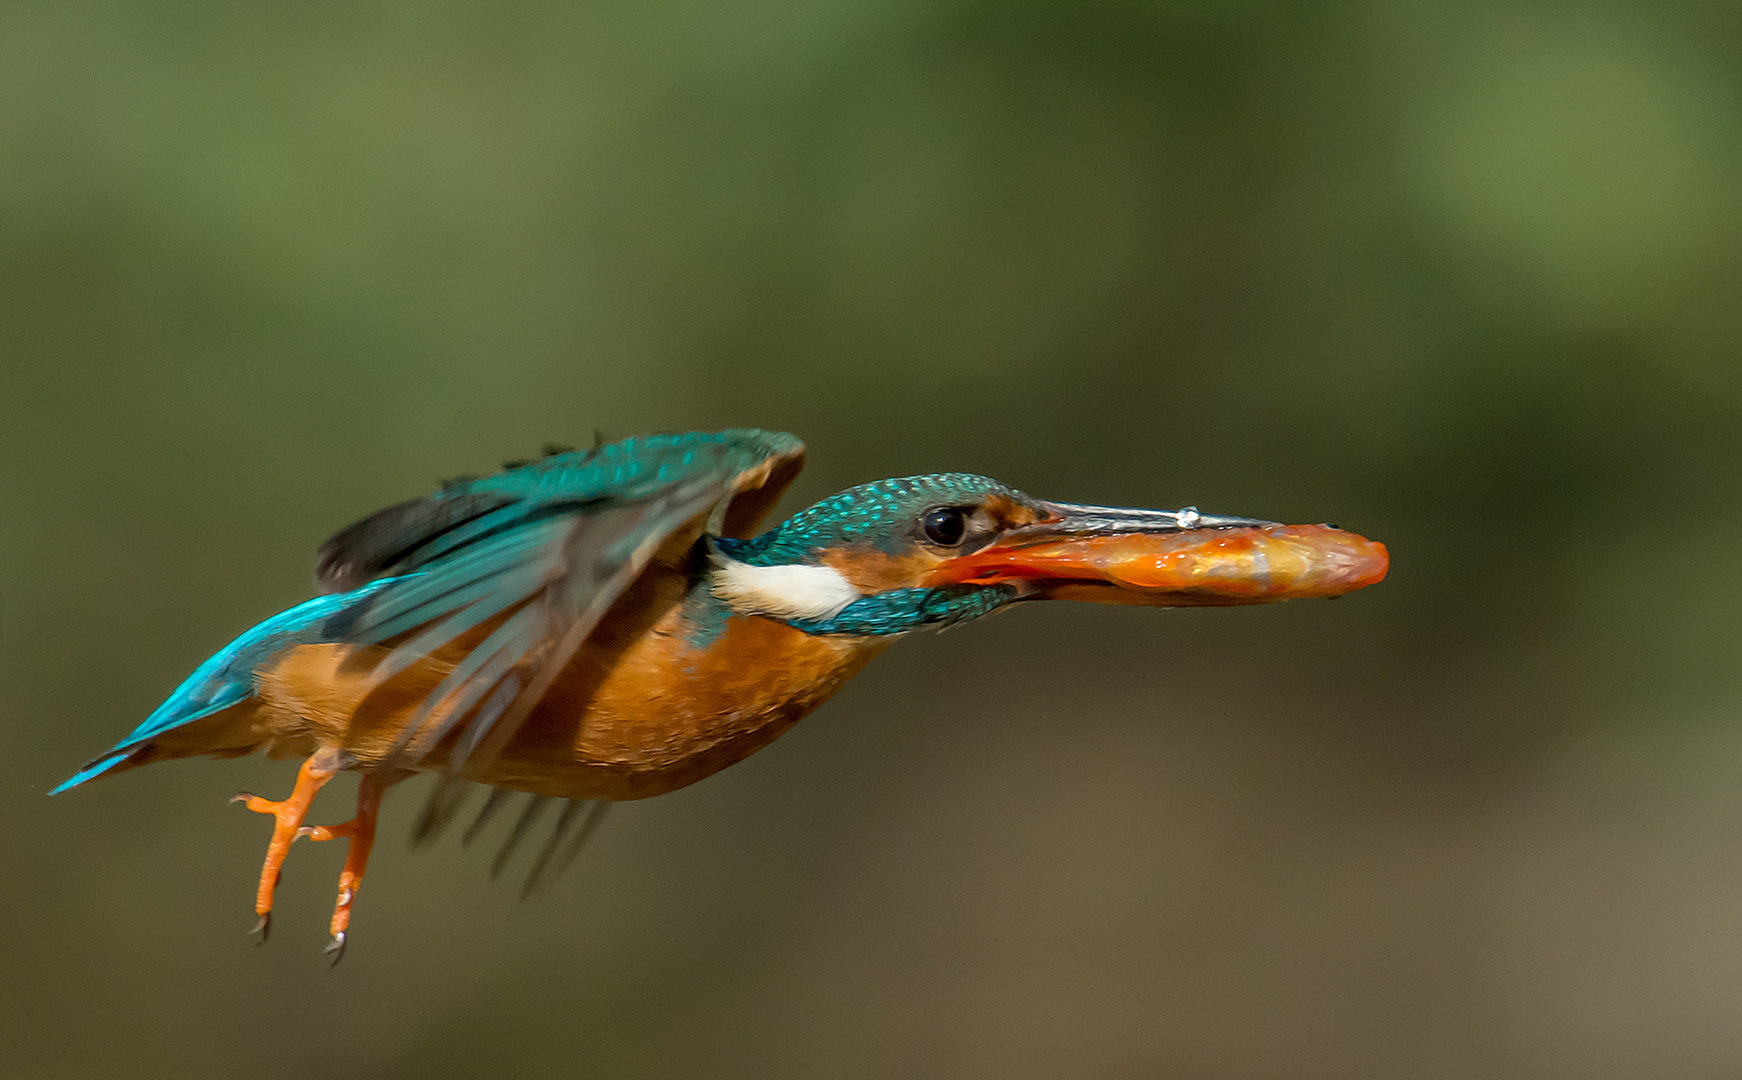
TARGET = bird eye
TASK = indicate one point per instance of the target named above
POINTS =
(944, 526)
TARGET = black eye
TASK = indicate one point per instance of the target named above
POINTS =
(944, 526)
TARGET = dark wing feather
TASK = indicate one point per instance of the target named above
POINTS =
(556, 855)
(561, 583)
(543, 549)
(363, 551)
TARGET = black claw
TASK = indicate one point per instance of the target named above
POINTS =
(336, 947)
(263, 928)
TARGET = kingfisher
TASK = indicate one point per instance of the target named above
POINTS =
(612, 624)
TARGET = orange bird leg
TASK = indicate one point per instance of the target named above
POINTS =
(360, 830)
(321, 766)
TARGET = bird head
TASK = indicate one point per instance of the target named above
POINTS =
(894, 555)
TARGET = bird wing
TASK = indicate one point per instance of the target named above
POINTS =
(538, 553)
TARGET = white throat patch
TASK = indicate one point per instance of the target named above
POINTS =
(785, 592)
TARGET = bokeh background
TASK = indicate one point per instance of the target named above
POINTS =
(1465, 276)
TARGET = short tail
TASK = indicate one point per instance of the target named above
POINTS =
(227, 679)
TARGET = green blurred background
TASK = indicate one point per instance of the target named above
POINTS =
(1462, 276)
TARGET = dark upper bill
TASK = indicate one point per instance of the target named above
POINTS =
(1167, 558)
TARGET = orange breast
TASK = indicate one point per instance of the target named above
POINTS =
(633, 715)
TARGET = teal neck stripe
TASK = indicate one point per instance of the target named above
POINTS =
(896, 611)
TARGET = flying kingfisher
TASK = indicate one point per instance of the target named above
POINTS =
(609, 624)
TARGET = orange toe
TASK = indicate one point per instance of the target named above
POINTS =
(360, 831)
(289, 812)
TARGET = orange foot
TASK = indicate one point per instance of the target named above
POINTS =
(360, 830)
(322, 766)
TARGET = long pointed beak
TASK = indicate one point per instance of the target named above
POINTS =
(1170, 558)
(1076, 521)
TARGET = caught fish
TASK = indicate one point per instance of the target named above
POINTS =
(1200, 567)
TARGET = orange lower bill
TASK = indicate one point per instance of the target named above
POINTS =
(1192, 568)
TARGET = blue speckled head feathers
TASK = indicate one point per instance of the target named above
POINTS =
(883, 514)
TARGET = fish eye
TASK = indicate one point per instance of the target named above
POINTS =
(945, 525)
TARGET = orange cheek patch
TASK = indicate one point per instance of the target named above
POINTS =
(871, 571)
